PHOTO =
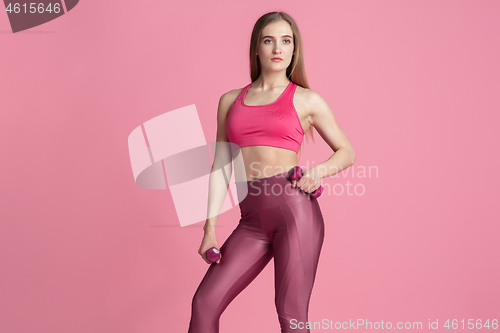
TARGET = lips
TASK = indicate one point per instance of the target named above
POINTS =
(276, 59)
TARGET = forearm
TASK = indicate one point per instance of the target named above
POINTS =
(218, 188)
(340, 160)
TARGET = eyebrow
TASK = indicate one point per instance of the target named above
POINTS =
(273, 37)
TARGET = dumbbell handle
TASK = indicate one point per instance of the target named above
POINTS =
(296, 173)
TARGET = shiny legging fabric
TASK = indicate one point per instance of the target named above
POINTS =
(277, 221)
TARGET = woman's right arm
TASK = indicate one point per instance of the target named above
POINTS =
(219, 176)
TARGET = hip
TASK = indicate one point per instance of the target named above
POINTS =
(262, 193)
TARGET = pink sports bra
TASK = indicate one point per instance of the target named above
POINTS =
(276, 124)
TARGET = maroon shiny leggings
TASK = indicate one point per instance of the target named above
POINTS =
(277, 221)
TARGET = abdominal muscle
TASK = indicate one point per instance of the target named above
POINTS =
(265, 161)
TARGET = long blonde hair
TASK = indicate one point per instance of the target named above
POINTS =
(296, 70)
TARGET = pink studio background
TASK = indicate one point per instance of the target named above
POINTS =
(414, 85)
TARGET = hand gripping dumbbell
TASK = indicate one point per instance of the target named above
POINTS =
(296, 173)
(213, 254)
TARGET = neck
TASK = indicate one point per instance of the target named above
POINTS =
(271, 80)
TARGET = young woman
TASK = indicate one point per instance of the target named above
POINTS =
(267, 120)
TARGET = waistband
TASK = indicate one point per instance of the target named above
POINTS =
(265, 192)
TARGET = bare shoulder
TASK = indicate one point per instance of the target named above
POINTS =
(308, 104)
(227, 99)
(309, 99)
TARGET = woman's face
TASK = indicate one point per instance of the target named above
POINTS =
(276, 42)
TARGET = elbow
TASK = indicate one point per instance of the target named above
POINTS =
(353, 156)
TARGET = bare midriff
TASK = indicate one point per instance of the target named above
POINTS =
(267, 161)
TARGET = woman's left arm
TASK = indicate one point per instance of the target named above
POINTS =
(323, 120)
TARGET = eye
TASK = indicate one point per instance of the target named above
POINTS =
(267, 40)
(287, 40)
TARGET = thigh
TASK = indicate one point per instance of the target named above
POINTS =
(302, 233)
(297, 246)
(297, 236)
(245, 253)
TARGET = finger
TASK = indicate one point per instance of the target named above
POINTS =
(311, 188)
(302, 184)
(314, 188)
(308, 188)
